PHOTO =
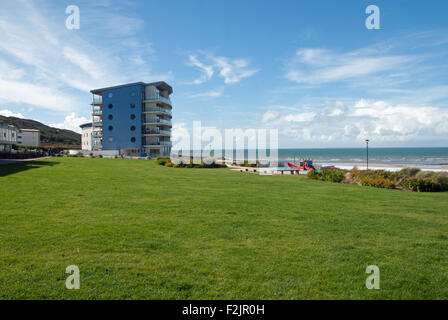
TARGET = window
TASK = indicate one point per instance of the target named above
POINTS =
(133, 139)
(110, 106)
(111, 128)
(132, 94)
(110, 117)
(132, 116)
(132, 128)
(110, 139)
(132, 105)
(110, 95)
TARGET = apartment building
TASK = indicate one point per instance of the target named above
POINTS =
(28, 137)
(8, 137)
(86, 136)
(134, 119)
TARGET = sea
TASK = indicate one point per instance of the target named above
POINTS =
(430, 158)
(425, 158)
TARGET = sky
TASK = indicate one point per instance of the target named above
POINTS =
(310, 69)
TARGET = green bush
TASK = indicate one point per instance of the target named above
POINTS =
(378, 183)
(333, 175)
(409, 172)
(168, 164)
(163, 160)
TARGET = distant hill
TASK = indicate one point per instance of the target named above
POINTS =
(47, 134)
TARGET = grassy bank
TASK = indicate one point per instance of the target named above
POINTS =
(140, 230)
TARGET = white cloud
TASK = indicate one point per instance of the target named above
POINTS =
(9, 113)
(49, 67)
(318, 66)
(207, 70)
(339, 124)
(208, 94)
(231, 70)
(37, 95)
(71, 122)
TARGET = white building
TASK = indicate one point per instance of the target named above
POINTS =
(28, 137)
(86, 136)
(8, 137)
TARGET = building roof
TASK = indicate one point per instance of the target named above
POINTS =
(88, 124)
(29, 130)
(160, 84)
(5, 125)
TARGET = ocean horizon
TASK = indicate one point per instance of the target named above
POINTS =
(423, 157)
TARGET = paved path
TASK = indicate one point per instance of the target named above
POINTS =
(9, 161)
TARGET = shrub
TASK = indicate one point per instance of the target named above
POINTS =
(420, 185)
(100, 156)
(378, 183)
(333, 175)
(409, 172)
(163, 160)
(168, 164)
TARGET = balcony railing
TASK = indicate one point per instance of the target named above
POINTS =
(161, 132)
(157, 109)
(97, 134)
(157, 121)
(157, 143)
(98, 113)
(97, 100)
(158, 98)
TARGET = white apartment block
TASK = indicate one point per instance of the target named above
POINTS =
(86, 136)
(28, 138)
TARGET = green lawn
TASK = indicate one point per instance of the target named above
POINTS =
(141, 231)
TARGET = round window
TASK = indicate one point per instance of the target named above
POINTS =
(132, 105)
(110, 117)
(132, 128)
(133, 139)
(110, 139)
(110, 128)
(132, 94)
(110, 95)
(110, 106)
(132, 116)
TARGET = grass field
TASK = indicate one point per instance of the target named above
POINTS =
(137, 230)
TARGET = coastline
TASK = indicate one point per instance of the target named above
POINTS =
(383, 166)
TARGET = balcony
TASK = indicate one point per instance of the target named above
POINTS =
(97, 134)
(157, 133)
(157, 144)
(158, 98)
(157, 121)
(97, 113)
(157, 110)
(97, 123)
(97, 101)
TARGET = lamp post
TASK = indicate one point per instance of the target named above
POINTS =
(367, 153)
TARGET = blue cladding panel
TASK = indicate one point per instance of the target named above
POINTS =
(121, 111)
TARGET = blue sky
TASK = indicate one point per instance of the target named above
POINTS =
(311, 69)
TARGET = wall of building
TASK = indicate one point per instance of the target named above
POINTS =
(117, 131)
(28, 138)
(8, 137)
(86, 138)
